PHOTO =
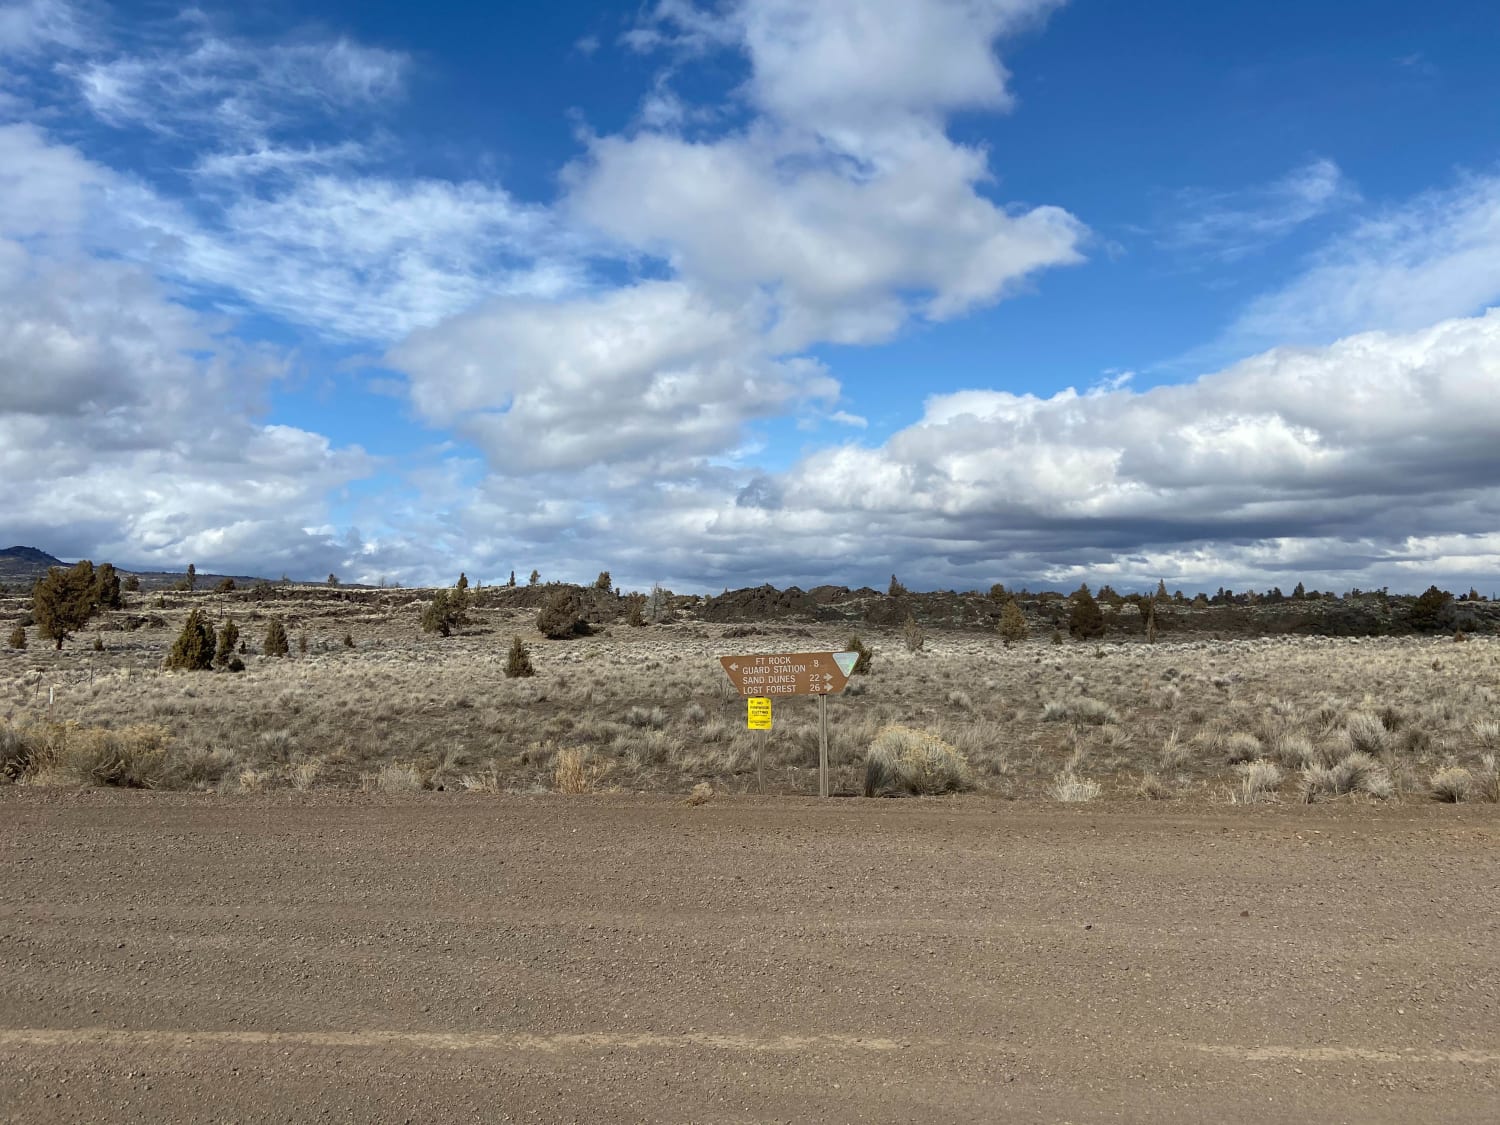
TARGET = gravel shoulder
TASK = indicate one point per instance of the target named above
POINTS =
(446, 957)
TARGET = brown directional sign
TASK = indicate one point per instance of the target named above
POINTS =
(770, 674)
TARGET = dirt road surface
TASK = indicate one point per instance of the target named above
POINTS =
(170, 958)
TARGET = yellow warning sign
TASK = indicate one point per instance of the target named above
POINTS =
(758, 714)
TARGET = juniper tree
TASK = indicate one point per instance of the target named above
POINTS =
(18, 637)
(193, 650)
(1013, 626)
(276, 642)
(536, 576)
(107, 587)
(1085, 620)
(463, 581)
(132, 584)
(862, 661)
(229, 637)
(604, 582)
(192, 577)
(64, 600)
(518, 660)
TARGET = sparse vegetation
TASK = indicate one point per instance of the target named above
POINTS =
(651, 710)
(902, 761)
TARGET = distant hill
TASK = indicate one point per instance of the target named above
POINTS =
(20, 567)
(25, 564)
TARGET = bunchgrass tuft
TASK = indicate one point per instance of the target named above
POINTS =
(903, 761)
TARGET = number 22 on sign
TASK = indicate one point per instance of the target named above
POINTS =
(758, 713)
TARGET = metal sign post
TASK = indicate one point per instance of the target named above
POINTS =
(822, 746)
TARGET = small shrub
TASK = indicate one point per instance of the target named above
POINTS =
(518, 660)
(862, 662)
(1364, 733)
(225, 586)
(348, 640)
(1353, 773)
(702, 793)
(913, 635)
(902, 761)
(1294, 751)
(1153, 788)
(1452, 785)
(398, 777)
(572, 774)
(653, 718)
(1242, 747)
(1081, 710)
(1259, 780)
(19, 750)
(132, 758)
(1068, 786)
(18, 637)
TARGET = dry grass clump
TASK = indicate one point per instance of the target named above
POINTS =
(1174, 752)
(904, 761)
(1364, 733)
(1294, 751)
(1452, 784)
(1259, 781)
(141, 756)
(1353, 773)
(1153, 788)
(398, 777)
(702, 793)
(572, 772)
(304, 774)
(1242, 747)
(1079, 709)
(1068, 786)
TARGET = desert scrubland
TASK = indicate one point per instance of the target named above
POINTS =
(375, 703)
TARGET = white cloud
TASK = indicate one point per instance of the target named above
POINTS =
(356, 257)
(128, 422)
(29, 26)
(1411, 265)
(232, 89)
(644, 376)
(1231, 225)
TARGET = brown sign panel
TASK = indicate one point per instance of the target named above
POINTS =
(770, 674)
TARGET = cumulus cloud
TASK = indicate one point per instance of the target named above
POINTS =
(1378, 439)
(641, 378)
(128, 421)
(810, 224)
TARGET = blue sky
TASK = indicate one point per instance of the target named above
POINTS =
(720, 293)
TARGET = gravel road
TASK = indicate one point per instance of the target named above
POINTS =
(172, 958)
